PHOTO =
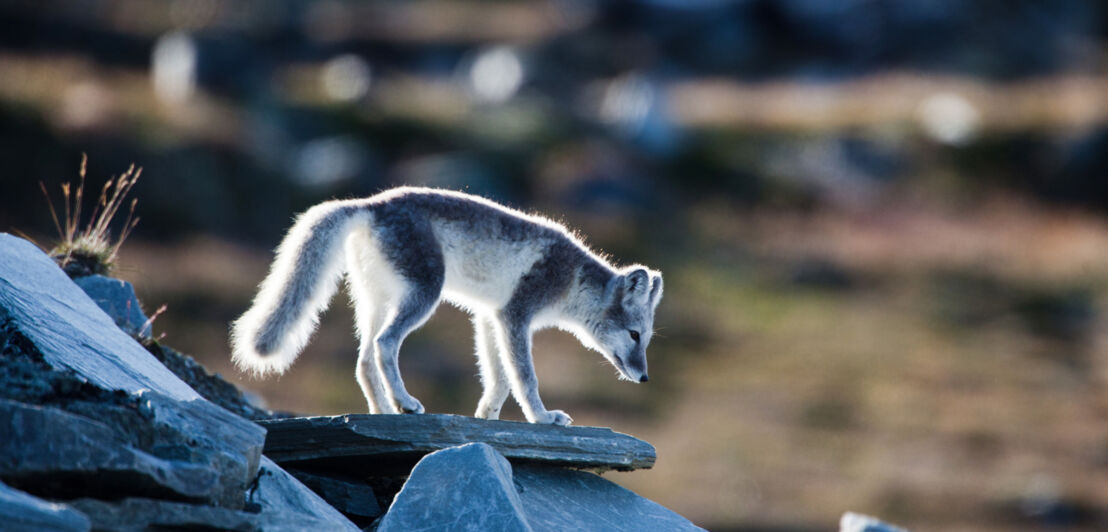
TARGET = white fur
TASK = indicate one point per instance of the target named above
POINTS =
(330, 269)
(481, 275)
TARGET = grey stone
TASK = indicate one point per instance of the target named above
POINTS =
(349, 496)
(561, 499)
(72, 334)
(385, 436)
(852, 522)
(49, 450)
(282, 499)
(462, 488)
(140, 515)
(280, 503)
(472, 487)
(204, 434)
(70, 330)
(117, 299)
(212, 387)
(21, 512)
(180, 431)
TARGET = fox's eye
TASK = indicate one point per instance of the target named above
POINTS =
(634, 335)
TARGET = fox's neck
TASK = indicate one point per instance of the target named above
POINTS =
(586, 299)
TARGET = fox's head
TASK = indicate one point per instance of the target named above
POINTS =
(626, 325)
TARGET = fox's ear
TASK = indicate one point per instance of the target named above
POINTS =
(655, 288)
(636, 287)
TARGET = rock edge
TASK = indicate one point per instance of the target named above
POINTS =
(402, 436)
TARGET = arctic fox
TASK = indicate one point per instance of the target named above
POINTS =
(406, 249)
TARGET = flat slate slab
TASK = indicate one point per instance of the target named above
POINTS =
(327, 438)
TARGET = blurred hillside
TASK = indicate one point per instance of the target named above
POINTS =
(882, 224)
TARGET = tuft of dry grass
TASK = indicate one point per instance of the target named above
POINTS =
(91, 250)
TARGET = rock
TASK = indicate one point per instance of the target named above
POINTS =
(472, 487)
(140, 514)
(461, 488)
(560, 499)
(407, 436)
(852, 522)
(70, 330)
(207, 435)
(46, 450)
(145, 421)
(20, 512)
(212, 387)
(284, 499)
(280, 503)
(117, 299)
(46, 311)
(349, 496)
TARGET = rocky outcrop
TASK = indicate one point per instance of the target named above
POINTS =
(69, 329)
(88, 414)
(55, 321)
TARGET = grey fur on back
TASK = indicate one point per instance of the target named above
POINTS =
(403, 232)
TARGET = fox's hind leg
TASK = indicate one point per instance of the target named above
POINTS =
(493, 377)
(411, 312)
(415, 257)
(369, 317)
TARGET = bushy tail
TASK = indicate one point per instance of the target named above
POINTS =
(300, 284)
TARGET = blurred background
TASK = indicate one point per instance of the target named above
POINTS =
(883, 224)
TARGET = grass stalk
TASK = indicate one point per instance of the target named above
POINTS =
(90, 249)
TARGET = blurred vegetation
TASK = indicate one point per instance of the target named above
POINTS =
(882, 224)
(87, 247)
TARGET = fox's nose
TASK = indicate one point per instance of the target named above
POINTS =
(644, 378)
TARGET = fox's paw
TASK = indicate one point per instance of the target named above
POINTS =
(557, 417)
(487, 412)
(411, 406)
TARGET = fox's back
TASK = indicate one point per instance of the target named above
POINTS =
(486, 248)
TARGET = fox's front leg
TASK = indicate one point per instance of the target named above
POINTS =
(514, 339)
(493, 379)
